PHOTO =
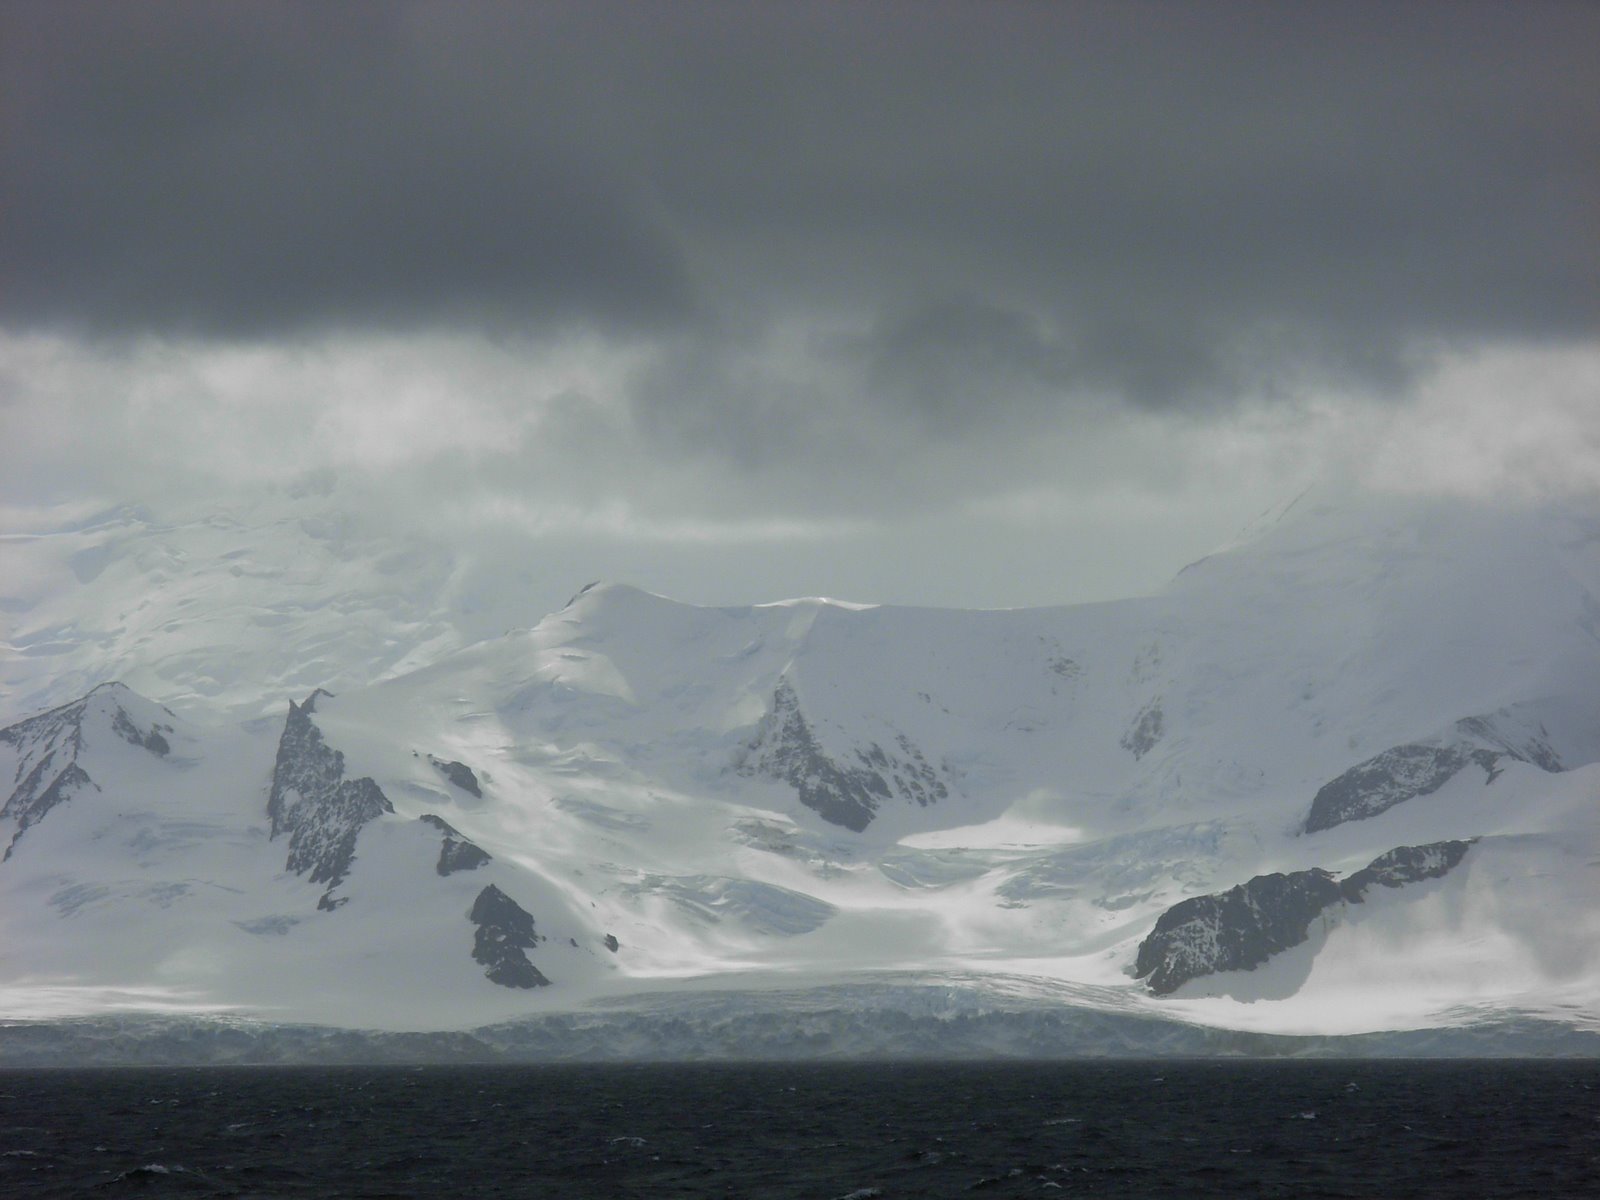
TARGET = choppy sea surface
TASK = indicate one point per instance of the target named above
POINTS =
(1123, 1129)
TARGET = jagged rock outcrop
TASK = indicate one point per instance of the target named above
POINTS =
(1145, 731)
(312, 802)
(458, 773)
(1235, 930)
(47, 772)
(1415, 769)
(1399, 774)
(457, 853)
(505, 935)
(786, 749)
(1403, 865)
(1243, 927)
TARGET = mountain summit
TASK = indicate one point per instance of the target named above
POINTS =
(1334, 779)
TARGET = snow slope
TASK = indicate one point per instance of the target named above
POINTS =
(233, 609)
(818, 795)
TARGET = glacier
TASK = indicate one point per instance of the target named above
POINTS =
(254, 810)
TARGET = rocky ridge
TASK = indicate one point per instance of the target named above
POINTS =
(785, 749)
(312, 802)
(456, 853)
(1243, 927)
(1415, 769)
(47, 748)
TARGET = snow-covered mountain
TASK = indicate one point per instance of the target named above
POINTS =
(1341, 777)
(221, 610)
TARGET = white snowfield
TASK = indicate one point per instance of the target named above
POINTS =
(809, 794)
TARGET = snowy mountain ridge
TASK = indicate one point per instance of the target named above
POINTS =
(1333, 780)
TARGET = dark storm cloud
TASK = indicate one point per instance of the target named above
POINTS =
(251, 168)
(987, 205)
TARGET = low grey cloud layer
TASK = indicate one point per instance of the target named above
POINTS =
(1169, 191)
(851, 261)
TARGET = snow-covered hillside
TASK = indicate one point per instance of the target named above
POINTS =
(1338, 778)
(223, 610)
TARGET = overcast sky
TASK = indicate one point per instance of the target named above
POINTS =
(982, 304)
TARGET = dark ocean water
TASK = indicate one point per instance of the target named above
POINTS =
(1124, 1129)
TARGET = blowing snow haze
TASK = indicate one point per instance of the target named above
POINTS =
(340, 345)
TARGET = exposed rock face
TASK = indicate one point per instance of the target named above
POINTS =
(1241, 928)
(786, 749)
(1145, 731)
(1399, 774)
(505, 935)
(1405, 772)
(312, 801)
(47, 747)
(149, 739)
(459, 774)
(457, 853)
(29, 805)
(1233, 930)
(1403, 865)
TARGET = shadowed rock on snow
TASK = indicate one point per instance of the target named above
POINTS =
(1243, 927)
(505, 935)
(312, 802)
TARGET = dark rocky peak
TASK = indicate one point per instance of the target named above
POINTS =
(44, 751)
(1398, 774)
(457, 853)
(127, 714)
(1405, 864)
(785, 749)
(1414, 769)
(1235, 930)
(1243, 927)
(312, 802)
(130, 716)
(459, 774)
(505, 935)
